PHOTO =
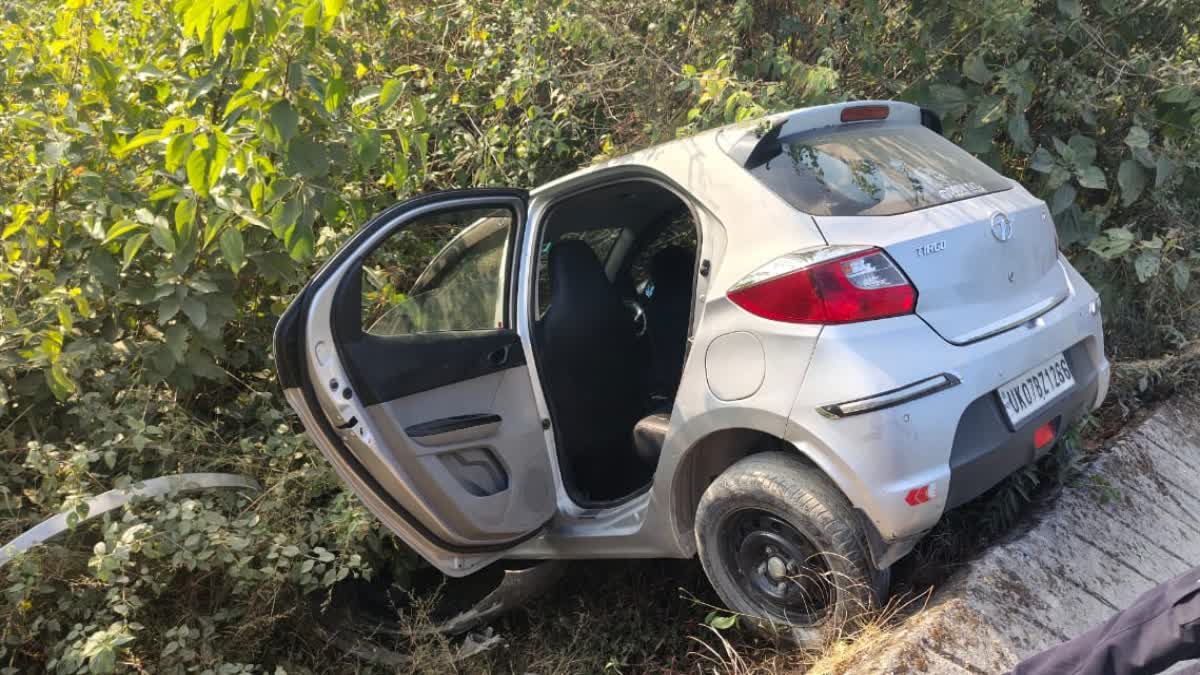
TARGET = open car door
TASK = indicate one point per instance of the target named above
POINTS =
(402, 359)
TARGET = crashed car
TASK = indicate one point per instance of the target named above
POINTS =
(787, 347)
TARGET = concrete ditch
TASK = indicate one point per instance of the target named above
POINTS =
(1131, 522)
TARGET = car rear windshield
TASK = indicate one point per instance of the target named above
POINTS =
(871, 169)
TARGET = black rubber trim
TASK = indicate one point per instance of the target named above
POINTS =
(932, 121)
(288, 363)
(986, 449)
(448, 424)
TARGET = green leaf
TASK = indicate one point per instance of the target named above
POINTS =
(1113, 243)
(177, 339)
(418, 111)
(1137, 138)
(366, 148)
(185, 219)
(1146, 265)
(143, 138)
(1084, 149)
(1092, 177)
(335, 91)
(218, 157)
(400, 169)
(1018, 131)
(307, 158)
(721, 621)
(1162, 172)
(217, 30)
(177, 150)
(299, 240)
(285, 215)
(990, 110)
(1131, 177)
(168, 307)
(233, 248)
(285, 119)
(331, 9)
(390, 94)
(312, 14)
(975, 68)
(61, 384)
(132, 245)
(119, 229)
(1064, 197)
(1180, 93)
(197, 171)
(1041, 161)
(196, 310)
(1181, 274)
(1070, 8)
(162, 235)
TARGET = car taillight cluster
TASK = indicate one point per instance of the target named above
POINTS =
(815, 288)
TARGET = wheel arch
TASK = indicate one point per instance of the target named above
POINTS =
(709, 456)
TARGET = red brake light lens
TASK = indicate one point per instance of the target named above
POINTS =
(861, 286)
(861, 113)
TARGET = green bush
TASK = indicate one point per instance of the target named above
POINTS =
(171, 172)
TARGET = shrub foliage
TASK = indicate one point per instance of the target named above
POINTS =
(171, 169)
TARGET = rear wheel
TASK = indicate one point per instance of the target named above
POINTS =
(783, 547)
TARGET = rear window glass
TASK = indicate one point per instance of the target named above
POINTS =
(874, 170)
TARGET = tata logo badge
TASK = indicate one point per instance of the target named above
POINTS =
(1002, 228)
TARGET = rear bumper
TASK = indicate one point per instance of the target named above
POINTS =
(986, 450)
(954, 442)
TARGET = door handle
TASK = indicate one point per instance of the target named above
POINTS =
(499, 357)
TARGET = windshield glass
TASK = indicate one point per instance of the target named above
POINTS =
(873, 170)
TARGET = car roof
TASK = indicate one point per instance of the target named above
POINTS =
(754, 223)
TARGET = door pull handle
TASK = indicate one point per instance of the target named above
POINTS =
(498, 357)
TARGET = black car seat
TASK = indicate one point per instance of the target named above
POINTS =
(668, 311)
(586, 339)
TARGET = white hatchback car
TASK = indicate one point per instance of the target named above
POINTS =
(788, 346)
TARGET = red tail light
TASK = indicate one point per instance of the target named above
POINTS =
(826, 286)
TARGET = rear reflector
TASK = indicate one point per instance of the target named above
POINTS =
(827, 286)
(860, 113)
(1043, 436)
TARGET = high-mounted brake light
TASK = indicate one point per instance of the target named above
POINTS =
(861, 113)
(835, 284)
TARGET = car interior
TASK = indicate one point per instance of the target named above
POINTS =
(614, 300)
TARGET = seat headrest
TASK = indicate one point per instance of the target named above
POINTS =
(575, 270)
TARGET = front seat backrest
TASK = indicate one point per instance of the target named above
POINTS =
(586, 340)
(668, 312)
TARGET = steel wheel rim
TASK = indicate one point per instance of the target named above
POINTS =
(780, 570)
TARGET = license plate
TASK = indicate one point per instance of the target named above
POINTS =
(1036, 387)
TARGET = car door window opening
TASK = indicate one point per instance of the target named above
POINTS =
(460, 289)
(615, 287)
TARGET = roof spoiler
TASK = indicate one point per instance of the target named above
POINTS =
(761, 144)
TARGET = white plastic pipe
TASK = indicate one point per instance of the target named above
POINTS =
(105, 502)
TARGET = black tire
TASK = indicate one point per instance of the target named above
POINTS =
(767, 508)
